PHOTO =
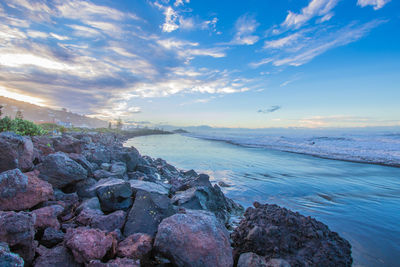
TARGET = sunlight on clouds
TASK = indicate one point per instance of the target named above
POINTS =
(21, 97)
(377, 4)
(17, 60)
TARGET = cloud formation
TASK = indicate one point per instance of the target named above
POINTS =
(245, 27)
(269, 110)
(377, 4)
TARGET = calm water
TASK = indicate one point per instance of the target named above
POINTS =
(359, 201)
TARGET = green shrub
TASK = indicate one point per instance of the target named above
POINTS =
(20, 126)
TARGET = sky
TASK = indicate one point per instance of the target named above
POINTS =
(250, 64)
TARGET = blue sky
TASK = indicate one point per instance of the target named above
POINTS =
(255, 64)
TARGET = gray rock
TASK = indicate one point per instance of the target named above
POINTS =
(11, 183)
(17, 230)
(195, 238)
(79, 158)
(251, 259)
(15, 152)
(148, 170)
(51, 237)
(148, 210)
(105, 166)
(83, 188)
(58, 256)
(91, 203)
(114, 194)
(150, 187)
(141, 177)
(96, 219)
(68, 144)
(9, 259)
(59, 170)
(130, 156)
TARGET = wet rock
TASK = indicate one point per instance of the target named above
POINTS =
(88, 244)
(275, 232)
(148, 210)
(141, 177)
(118, 169)
(15, 152)
(105, 166)
(223, 184)
(58, 256)
(118, 262)
(59, 170)
(51, 237)
(47, 217)
(17, 230)
(20, 191)
(251, 259)
(68, 144)
(136, 246)
(194, 239)
(149, 187)
(148, 170)
(9, 259)
(186, 182)
(114, 194)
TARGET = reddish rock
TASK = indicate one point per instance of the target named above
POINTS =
(88, 244)
(17, 230)
(118, 262)
(251, 259)
(47, 217)
(96, 219)
(136, 246)
(37, 191)
(196, 238)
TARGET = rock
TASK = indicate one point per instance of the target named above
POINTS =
(58, 256)
(277, 263)
(59, 170)
(130, 156)
(47, 217)
(114, 194)
(88, 244)
(91, 203)
(194, 239)
(150, 187)
(140, 176)
(251, 259)
(80, 159)
(189, 181)
(15, 152)
(51, 237)
(148, 210)
(68, 144)
(136, 246)
(207, 198)
(105, 166)
(118, 262)
(17, 230)
(223, 184)
(83, 188)
(43, 145)
(98, 154)
(275, 232)
(118, 169)
(148, 170)
(22, 191)
(9, 259)
(96, 219)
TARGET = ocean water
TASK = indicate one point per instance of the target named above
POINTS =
(359, 201)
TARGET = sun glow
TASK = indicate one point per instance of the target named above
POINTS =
(21, 97)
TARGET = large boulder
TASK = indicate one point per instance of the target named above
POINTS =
(51, 237)
(88, 244)
(17, 230)
(274, 232)
(150, 187)
(96, 219)
(9, 259)
(20, 191)
(58, 256)
(83, 188)
(196, 238)
(68, 144)
(130, 156)
(147, 212)
(114, 194)
(79, 158)
(59, 170)
(97, 153)
(136, 246)
(15, 152)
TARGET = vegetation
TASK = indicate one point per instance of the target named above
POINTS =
(20, 126)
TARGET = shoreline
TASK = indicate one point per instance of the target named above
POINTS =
(393, 165)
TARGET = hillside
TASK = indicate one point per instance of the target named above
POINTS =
(42, 114)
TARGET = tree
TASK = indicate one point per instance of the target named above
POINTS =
(119, 124)
(19, 115)
(1, 110)
(109, 125)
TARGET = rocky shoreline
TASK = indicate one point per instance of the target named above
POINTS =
(83, 199)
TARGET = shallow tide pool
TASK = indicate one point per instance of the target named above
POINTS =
(359, 201)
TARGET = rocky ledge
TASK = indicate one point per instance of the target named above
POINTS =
(85, 200)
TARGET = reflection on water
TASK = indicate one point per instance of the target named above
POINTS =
(359, 201)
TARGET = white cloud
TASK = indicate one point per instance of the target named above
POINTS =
(261, 62)
(377, 4)
(245, 27)
(285, 41)
(84, 31)
(171, 17)
(37, 34)
(316, 8)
